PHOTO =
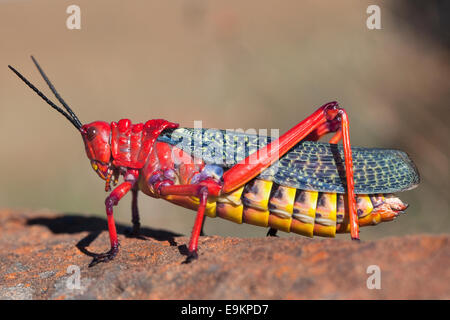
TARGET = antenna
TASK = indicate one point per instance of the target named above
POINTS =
(72, 117)
(50, 85)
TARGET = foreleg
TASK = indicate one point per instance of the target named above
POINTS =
(111, 201)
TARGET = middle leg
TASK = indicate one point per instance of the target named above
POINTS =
(200, 190)
(135, 212)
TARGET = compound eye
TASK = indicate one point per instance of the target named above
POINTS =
(91, 133)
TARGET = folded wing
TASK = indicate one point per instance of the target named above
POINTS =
(309, 165)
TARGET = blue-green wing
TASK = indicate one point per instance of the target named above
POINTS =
(308, 165)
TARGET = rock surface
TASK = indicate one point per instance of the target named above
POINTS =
(42, 253)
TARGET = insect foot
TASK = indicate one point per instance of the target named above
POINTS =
(105, 257)
(134, 231)
(272, 233)
(192, 255)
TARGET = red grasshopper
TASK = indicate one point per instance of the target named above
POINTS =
(312, 192)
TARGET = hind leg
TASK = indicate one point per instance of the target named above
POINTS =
(328, 118)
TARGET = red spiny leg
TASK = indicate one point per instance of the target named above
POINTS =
(196, 230)
(354, 226)
(340, 125)
(111, 201)
(326, 119)
(200, 190)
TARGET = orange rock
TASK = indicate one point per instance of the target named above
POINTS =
(412, 267)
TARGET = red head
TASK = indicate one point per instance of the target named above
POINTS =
(96, 137)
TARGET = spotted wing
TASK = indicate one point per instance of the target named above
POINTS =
(308, 165)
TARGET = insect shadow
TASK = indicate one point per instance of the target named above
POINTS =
(74, 223)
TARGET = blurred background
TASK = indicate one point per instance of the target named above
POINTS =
(231, 64)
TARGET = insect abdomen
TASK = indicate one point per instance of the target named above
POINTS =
(266, 204)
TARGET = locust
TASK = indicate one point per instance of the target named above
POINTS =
(292, 183)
